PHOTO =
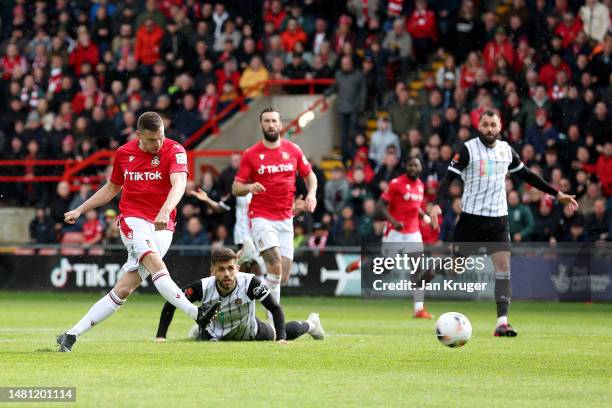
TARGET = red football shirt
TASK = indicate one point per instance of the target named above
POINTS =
(404, 197)
(91, 228)
(146, 178)
(275, 169)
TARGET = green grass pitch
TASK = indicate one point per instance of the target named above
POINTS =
(375, 355)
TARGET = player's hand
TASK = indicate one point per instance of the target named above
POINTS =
(299, 205)
(427, 219)
(162, 220)
(435, 211)
(569, 200)
(160, 340)
(200, 194)
(398, 225)
(311, 203)
(72, 216)
(256, 188)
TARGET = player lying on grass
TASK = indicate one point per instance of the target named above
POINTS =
(235, 293)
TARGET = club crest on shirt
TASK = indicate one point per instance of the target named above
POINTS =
(285, 155)
(238, 302)
(131, 158)
(155, 161)
(261, 156)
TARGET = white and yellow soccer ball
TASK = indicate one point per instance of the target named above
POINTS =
(453, 329)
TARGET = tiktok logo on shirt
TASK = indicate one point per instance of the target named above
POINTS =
(278, 168)
(142, 176)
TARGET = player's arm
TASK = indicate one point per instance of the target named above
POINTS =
(524, 173)
(242, 185)
(217, 207)
(311, 196)
(257, 290)
(425, 216)
(101, 197)
(193, 293)
(460, 161)
(382, 209)
(179, 183)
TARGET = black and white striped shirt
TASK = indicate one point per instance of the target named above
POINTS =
(236, 318)
(483, 170)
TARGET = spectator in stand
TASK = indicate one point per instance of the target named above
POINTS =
(569, 28)
(85, 52)
(292, 35)
(208, 102)
(598, 222)
(601, 64)
(275, 14)
(92, 229)
(60, 204)
(187, 119)
(600, 125)
(520, 218)
(42, 230)
(450, 218)
(403, 113)
(381, 139)
(319, 236)
(587, 201)
(548, 72)
(500, 46)
(602, 168)
(336, 191)
(422, 28)
(596, 18)
(148, 41)
(255, 73)
(111, 230)
(194, 235)
(399, 44)
(351, 86)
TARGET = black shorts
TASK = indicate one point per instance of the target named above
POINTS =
(493, 231)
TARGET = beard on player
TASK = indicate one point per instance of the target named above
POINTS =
(271, 134)
(413, 168)
(488, 138)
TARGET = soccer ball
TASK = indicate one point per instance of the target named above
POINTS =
(453, 329)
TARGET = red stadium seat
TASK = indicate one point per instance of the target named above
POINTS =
(24, 251)
(75, 239)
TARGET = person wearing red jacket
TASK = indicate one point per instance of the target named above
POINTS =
(569, 29)
(548, 73)
(11, 60)
(500, 46)
(293, 35)
(276, 14)
(85, 51)
(422, 28)
(602, 168)
(148, 39)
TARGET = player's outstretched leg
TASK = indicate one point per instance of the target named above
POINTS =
(312, 326)
(101, 310)
(503, 294)
(166, 286)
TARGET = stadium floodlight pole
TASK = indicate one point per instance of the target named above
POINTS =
(483, 163)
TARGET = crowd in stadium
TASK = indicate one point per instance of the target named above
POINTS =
(76, 75)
